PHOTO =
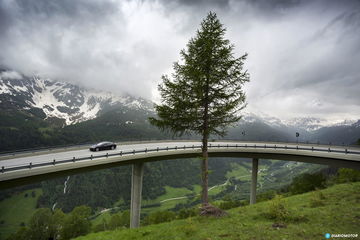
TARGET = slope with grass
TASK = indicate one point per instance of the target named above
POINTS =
(306, 216)
(273, 174)
(17, 210)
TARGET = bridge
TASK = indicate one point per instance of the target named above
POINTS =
(32, 166)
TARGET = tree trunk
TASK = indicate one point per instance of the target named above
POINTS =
(204, 171)
(205, 157)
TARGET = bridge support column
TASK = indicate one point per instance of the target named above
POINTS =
(136, 188)
(254, 172)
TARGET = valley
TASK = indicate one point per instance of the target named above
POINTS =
(40, 113)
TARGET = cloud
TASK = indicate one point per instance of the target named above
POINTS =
(303, 55)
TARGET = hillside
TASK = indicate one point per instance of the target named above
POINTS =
(39, 112)
(17, 210)
(338, 213)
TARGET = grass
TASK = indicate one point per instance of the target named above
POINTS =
(340, 213)
(237, 171)
(99, 219)
(171, 192)
(16, 210)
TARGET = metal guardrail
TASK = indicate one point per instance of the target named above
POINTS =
(67, 146)
(59, 147)
(157, 149)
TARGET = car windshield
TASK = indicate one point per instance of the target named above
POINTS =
(103, 143)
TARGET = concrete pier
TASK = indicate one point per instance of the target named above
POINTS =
(254, 172)
(136, 188)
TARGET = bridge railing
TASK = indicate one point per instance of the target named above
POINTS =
(85, 144)
(54, 162)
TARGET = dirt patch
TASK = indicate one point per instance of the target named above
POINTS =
(279, 225)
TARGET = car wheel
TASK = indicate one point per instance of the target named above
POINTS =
(97, 149)
(112, 148)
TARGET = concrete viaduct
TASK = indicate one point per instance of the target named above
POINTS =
(27, 167)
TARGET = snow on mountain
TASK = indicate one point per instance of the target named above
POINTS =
(262, 117)
(309, 124)
(58, 99)
(75, 104)
(313, 123)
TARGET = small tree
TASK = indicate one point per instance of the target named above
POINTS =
(77, 223)
(40, 224)
(205, 93)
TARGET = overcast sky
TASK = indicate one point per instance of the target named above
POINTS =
(304, 56)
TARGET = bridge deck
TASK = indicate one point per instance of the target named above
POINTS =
(22, 169)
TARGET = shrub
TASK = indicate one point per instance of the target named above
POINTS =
(119, 220)
(189, 228)
(103, 226)
(278, 209)
(159, 217)
(317, 199)
(307, 182)
(225, 205)
(265, 196)
(348, 175)
(188, 212)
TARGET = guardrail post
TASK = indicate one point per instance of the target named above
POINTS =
(74, 158)
(120, 153)
(54, 162)
(136, 188)
(2, 169)
(329, 150)
(235, 145)
(145, 150)
(175, 147)
(254, 172)
(157, 149)
(107, 155)
(134, 151)
(193, 146)
(167, 148)
(297, 147)
(265, 146)
(312, 148)
(30, 165)
(91, 157)
(275, 146)
(184, 147)
(346, 151)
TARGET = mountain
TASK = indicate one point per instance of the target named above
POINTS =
(263, 127)
(41, 112)
(52, 99)
(38, 112)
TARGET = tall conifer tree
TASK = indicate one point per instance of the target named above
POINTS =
(204, 95)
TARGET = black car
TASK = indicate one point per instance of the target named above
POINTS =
(103, 146)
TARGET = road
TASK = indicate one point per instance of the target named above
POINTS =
(48, 156)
